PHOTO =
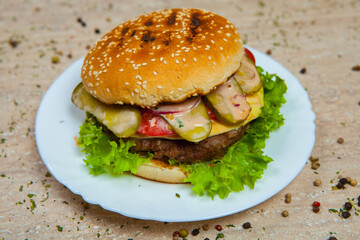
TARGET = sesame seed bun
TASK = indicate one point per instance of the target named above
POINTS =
(161, 172)
(164, 56)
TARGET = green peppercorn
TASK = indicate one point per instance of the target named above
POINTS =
(183, 233)
(55, 59)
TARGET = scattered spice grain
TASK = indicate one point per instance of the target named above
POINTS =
(246, 225)
(285, 213)
(317, 182)
(303, 71)
(315, 165)
(345, 214)
(183, 233)
(218, 227)
(348, 206)
(356, 68)
(353, 182)
(206, 227)
(55, 59)
(195, 232)
(340, 140)
(268, 52)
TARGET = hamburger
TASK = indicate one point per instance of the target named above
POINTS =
(170, 86)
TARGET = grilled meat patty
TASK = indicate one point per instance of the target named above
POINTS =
(188, 152)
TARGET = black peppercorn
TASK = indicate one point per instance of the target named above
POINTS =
(303, 70)
(340, 185)
(195, 232)
(343, 180)
(246, 225)
(345, 214)
(348, 206)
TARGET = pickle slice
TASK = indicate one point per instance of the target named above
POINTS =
(228, 103)
(123, 121)
(192, 125)
(248, 76)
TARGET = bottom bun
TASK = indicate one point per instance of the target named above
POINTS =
(161, 172)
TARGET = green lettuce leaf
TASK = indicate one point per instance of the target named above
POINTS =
(244, 162)
(104, 155)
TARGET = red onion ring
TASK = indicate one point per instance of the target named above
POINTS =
(176, 108)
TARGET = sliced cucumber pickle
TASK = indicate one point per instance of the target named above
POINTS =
(123, 121)
(192, 125)
(248, 76)
(228, 103)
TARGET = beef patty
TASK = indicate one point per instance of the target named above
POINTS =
(188, 152)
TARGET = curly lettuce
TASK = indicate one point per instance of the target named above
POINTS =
(105, 155)
(243, 164)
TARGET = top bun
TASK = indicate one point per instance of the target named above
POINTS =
(163, 56)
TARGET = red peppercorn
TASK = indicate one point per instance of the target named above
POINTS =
(176, 234)
(218, 227)
(316, 204)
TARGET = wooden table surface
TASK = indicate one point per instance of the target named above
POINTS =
(321, 37)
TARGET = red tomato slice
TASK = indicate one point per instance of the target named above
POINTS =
(154, 125)
(249, 54)
(211, 115)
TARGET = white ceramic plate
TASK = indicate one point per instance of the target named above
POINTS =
(58, 121)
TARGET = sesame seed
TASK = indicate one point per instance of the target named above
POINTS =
(153, 59)
(121, 70)
(209, 57)
(177, 61)
(138, 83)
(172, 55)
(221, 48)
(137, 91)
(180, 89)
(107, 90)
(184, 60)
(132, 94)
(214, 63)
(159, 87)
(195, 59)
(90, 85)
(195, 94)
(172, 92)
(164, 62)
(127, 84)
(161, 59)
(225, 39)
(228, 34)
(144, 64)
(144, 86)
(155, 73)
(138, 77)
